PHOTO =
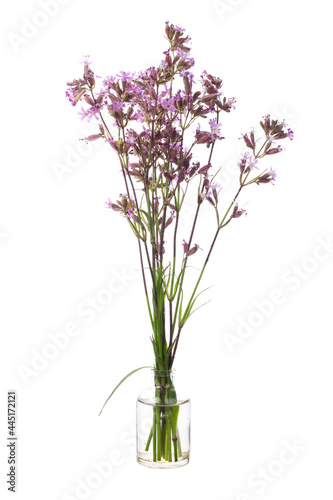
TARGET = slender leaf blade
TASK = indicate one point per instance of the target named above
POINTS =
(122, 380)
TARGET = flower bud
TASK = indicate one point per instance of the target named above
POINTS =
(78, 94)
(133, 217)
(121, 146)
(195, 96)
(252, 137)
(167, 29)
(124, 204)
(113, 144)
(88, 100)
(168, 176)
(93, 137)
(115, 207)
(152, 93)
(169, 221)
(273, 151)
(91, 81)
(192, 251)
(237, 212)
(204, 169)
(248, 142)
(187, 84)
(203, 137)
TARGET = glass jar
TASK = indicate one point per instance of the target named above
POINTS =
(163, 421)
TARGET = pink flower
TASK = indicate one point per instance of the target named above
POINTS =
(231, 103)
(108, 80)
(273, 174)
(178, 28)
(290, 134)
(252, 163)
(126, 76)
(83, 114)
(116, 105)
(215, 128)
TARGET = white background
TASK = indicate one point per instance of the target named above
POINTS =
(59, 246)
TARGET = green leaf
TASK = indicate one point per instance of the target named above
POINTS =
(190, 314)
(122, 380)
(144, 212)
(180, 306)
(189, 311)
(173, 292)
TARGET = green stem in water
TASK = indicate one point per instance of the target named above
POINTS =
(175, 447)
(149, 439)
(154, 434)
(159, 434)
(168, 454)
(179, 444)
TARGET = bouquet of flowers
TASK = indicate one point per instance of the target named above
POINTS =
(159, 117)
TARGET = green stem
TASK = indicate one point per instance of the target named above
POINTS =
(163, 434)
(179, 444)
(175, 448)
(159, 434)
(168, 453)
(149, 439)
(190, 241)
(154, 434)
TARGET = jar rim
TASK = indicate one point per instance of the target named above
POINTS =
(167, 371)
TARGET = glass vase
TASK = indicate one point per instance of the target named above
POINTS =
(163, 421)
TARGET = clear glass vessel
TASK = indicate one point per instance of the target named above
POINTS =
(163, 424)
